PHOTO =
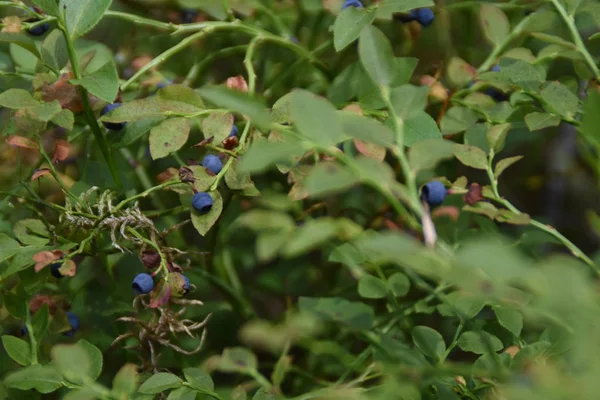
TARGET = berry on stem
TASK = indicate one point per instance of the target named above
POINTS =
(142, 283)
(74, 322)
(352, 3)
(113, 126)
(212, 163)
(234, 131)
(39, 30)
(188, 15)
(423, 16)
(433, 193)
(202, 202)
(54, 270)
(186, 284)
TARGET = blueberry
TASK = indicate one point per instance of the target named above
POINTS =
(496, 94)
(234, 131)
(142, 284)
(424, 16)
(202, 202)
(188, 15)
(74, 322)
(406, 18)
(24, 331)
(186, 284)
(212, 163)
(39, 30)
(495, 68)
(113, 126)
(434, 193)
(54, 270)
(352, 3)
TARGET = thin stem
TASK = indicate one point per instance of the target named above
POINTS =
(145, 193)
(570, 21)
(163, 260)
(88, 112)
(32, 339)
(500, 47)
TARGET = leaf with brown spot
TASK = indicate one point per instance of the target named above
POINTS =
(39, 173)
(21, 141)
(370, 150)
(45, 258)
(160, 295)
(69, 268)
(11, 24)
(169, 136)
(66, 94)
(62, 148)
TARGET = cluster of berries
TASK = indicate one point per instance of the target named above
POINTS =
(423, 16)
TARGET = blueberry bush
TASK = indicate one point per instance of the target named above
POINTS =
(299, 199)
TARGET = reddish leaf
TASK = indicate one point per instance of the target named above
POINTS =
(237, 83)
(21, 141)
(62, 149)
(474, 194)
(66, 94)
(39, 173)
(447, 211)
(45, 258)
(370, 150)
(39, 300)
(166, 175)
(160, 295)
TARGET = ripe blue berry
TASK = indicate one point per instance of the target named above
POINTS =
(74, 322)
(496, 94)
(54, 270)
(142, 284)
(113, 126)
(424, 16)
(212, 163)
(434, 193)
(24, 331)
(188, 15)
(234, 131)
(39, 30)
(352, 3)
(495, 68)
(186, 284)
(202, 202)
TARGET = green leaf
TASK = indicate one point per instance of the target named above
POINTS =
(237, 179)
(8, 247)
(399, 284)
(315, 118)
(479, 342)
(239, 102)
(65, 119)
(420, 126)
(17, 349)
(315, 232)
(367, 129)
(102, 83)
(203, 222)
(217, 125)
(94, 355)
(521, 73)
(370, 287)
(409, 100)
(514, 218)
(54, 50)
(560, 99)
(494, 23)
(354, 315)
(537, 120)
(505, 163)
(199, 379)
(169, 136)
(328, 178)
(135, 110)
(261, 394)
(82, 15)
(471, 156)
(428, 153)
(50, 6)
(183, 393)
(400, 6)
(348, 25)
(180, 94)
(429, 341)
(31, 232)
(160, 382)
(237, 359)
(591, 118)
(126, 380)
(496, 136)
(40, 323)
(509, 318)
(21, 40)
(460, 72)
(376, 56)
(264, 153)
(43, 378)
(17, 98)
(44, 112)
(458, 119)
(73, 362)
